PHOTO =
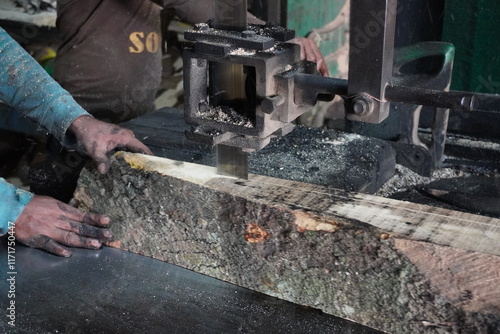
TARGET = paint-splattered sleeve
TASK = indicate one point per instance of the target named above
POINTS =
(26, 87)
(13, 201)
(29, 90)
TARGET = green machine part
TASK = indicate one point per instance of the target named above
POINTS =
(473, 27)
(304, 16)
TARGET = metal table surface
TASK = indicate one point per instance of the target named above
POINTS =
(112, 291)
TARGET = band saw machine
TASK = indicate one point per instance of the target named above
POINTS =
(245, 84)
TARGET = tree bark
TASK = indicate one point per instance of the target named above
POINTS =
(387, 264)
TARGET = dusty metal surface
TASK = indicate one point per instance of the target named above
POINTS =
(112, 291)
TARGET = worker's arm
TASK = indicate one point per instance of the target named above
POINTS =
(51, 225)
(310, 51)
(43, 222)
(40, 221)
(26, 87)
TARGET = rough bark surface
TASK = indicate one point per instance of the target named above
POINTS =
(294, 241)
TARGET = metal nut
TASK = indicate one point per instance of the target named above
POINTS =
(362, 105)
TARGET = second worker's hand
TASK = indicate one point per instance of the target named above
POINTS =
(310, 51)
(51, 225)
(99, 138)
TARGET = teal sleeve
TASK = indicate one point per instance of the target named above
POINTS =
(25, 86)
(13, 201)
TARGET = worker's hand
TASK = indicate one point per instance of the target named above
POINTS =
(51, 225)
(309, 51)
(98, 139)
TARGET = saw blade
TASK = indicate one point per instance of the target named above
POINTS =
(232, 161)
(228, 85)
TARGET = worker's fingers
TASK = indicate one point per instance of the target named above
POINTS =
(68, 238)
(315, 50)
(49, 224)
(306, 48)
(320, 61)
(95, 219)
(310, 51)
(99, 139)
(48, 244)
(89, 230)
(89, 218)
(136, 146)
(323, 68)
(123, 140)
(53, 245)
(102, 160)
(75, 240)
(123, 131)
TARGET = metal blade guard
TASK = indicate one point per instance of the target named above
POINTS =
(271, 99)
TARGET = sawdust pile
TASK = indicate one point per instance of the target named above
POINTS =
(404, 178)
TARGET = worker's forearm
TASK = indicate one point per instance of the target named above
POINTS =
(14, 200)
(25, 86)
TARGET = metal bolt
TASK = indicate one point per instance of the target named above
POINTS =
(362, 105)
(271, 103)
(468, 102)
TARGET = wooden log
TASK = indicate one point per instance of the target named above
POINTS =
(387, 264)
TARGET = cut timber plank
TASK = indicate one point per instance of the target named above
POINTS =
(391, 265)
(416, 221)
